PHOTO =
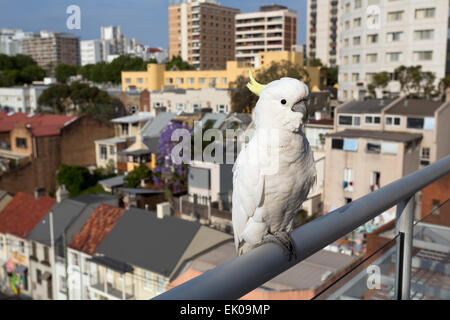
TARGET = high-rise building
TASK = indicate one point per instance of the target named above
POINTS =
(11, 41)
(381, 35)
(91, 52)
(322, 31)
(202, 32)
(114, 42)
(51, 49)
(272, 28)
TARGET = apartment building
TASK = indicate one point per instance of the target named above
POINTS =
(52, 48)
(11, 41)
(322, 34)
(381, 35)
(378, 141)
(272, 28)
(202, 32)
(91, 52)
(21, 99)
(156, 76)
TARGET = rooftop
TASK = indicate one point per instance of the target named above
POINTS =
(416, 107)
(322, 122)
(23, 213)
(365, 106)
(153, 128)
(39, 124)
(96, 228)
(377, 135)
(144, 232)
(138, 117)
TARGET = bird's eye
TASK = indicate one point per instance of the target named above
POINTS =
(283, 101)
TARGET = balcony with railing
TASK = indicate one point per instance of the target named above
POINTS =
(405, 260)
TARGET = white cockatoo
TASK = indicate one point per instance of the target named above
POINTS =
(275, 171)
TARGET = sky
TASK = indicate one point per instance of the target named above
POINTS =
(145, 20)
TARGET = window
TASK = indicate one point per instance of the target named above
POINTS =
(425, 13)
(112, 150)
(346, 43)
(180, 106)
(357, 23)
(127, 80)
(180, 80)
(423, 55)
(394, 56)
(372, 38)
(221, 108)
(22, 246)
(373, 147)
(191, 80)
(62, 284)
(337, 144)
(46, 255)
(169, 80)
(358, 4)
(424, 34)
(356, 59)
(372, 120)
(346, 60)
(415, 123)
(148, 280)
(375, 180)
(371, 58)
(350, 120)
(21, 142)
(139, 80)
(124, 128)
(195, 107)
(392, 121)
(38, 276)
(75, 260)
(224, 80)
(425, 154)
(356, 41)
(161, 284)
(394, 36)
(103, 152)
(348, 180)
(395, 16)
(436, 204)
(201, 80)
(1, 242)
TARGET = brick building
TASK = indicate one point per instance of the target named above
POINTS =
(433, 198)
(35, 145)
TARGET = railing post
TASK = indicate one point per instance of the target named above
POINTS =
(404, 227)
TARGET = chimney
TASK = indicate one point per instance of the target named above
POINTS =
(39, 192)
(162, 210)
(61, 193)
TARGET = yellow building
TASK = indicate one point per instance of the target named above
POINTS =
(156, 75)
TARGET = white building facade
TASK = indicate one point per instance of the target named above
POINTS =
(273, 28)
(322, 34)
(381, 35)
(91, 52)
(21, 99)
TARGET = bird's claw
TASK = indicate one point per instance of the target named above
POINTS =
(284, 241)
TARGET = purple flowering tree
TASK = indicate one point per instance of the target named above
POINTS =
(169, 175)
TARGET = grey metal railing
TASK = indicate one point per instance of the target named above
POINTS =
(247, 272)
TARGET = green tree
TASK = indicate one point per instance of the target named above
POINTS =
(380, 80)
(133, 179)
(75, 178)
(177, 63)
(32, 73)
(332, 76)
(64, 71)
(242, 100)
(314, 62)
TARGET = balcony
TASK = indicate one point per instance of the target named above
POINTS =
(267, 261)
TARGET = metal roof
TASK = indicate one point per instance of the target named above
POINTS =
(415, 107)
(113, 182)
(142, 239)
(365, 106)
(138, 117)
(153, 128)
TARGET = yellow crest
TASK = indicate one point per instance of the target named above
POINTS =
(253, 85)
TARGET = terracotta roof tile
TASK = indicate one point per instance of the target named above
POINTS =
(40, 124)
(96, 228)
(23, 213)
